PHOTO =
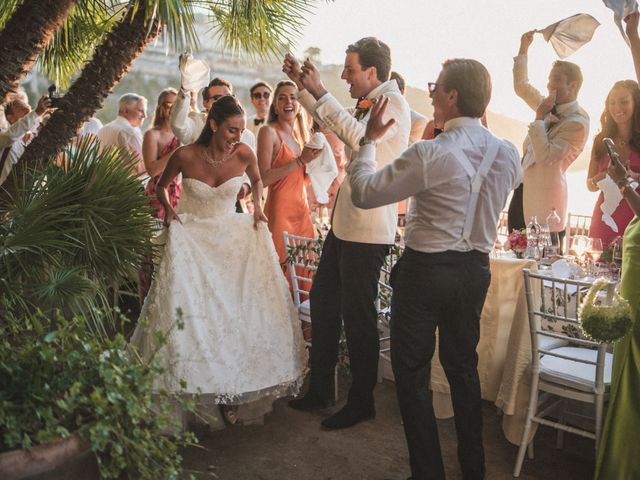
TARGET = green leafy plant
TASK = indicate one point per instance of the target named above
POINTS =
(73, 233)
(56, 378)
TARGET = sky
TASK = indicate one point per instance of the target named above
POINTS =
(423, 33)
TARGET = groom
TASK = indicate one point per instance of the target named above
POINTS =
(346, 282)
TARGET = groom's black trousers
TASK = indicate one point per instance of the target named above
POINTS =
(446, 291)
(344, 289)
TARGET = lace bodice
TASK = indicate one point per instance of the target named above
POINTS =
(202, 200)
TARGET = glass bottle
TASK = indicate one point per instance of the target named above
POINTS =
(533, 232)
(554, 222)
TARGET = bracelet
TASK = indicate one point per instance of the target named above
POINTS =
(299, 162)
(625, 187)
(593, 183)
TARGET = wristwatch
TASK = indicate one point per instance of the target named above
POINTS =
(366, 141)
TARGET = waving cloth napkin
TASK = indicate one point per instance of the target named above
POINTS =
(612, 198)
(322, 170)
(568, 35)
(194, 74)
(621, 8)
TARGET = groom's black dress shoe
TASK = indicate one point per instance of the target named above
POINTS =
(310, 402)
(348, 416)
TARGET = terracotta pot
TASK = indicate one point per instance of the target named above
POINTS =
(22, 464)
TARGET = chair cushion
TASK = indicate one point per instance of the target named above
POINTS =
(580, 376)
(550, 343)
(305, 308)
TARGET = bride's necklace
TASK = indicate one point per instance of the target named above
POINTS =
(212, 160)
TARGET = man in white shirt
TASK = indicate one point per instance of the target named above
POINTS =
(23, 126)
(260, 93)
(555, 139)
(346, 283)
(459, 183)
(418, 121)
(124, 131)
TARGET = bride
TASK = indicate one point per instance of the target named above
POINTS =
(219, 271)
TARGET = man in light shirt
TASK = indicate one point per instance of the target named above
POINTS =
(260, 93)
(459, 183)
(418, 121)
(346, 283)
(23, 126)
(555, 139)
(124, 131)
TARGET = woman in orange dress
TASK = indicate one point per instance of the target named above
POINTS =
(282, 160)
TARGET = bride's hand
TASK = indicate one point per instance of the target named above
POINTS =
(258, 216)
(169, 215)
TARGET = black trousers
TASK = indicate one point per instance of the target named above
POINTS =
(344, 291)
(445, 291)
(516, 210)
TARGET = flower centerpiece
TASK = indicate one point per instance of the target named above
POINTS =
(517, 242)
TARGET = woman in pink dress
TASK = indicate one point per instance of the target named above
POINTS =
(157, 145)
(620, 121)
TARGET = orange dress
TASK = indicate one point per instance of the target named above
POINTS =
(286, 207)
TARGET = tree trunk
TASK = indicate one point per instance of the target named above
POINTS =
(109, 64)
(24, 37)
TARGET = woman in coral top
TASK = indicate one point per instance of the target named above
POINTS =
(282, 160)
(620, 121)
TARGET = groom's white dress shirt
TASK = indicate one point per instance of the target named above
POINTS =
(441, 186)
(349, 222)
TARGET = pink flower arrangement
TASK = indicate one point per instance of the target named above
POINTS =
(516, 241)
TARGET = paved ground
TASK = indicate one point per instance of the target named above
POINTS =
(291, 445)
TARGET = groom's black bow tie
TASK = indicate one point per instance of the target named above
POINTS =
(258, 121)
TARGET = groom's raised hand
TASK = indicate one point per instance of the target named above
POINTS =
(376, 126)
(291, 67)
(310, 79)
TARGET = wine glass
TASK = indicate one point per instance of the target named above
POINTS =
(594, 249)
(579, 248)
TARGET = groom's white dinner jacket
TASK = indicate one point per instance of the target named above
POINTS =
(350, 223)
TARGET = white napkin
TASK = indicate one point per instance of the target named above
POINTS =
(621, 8)
(322, 170)
(194, 74)
(568, 35)
(612, 198)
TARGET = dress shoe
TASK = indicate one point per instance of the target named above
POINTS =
(310, 402)
(348, 416)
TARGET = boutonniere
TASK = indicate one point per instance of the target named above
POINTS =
(363, 106)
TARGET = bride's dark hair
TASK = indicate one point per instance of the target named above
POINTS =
(223, 108)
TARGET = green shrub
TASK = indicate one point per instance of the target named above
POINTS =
(56, 377)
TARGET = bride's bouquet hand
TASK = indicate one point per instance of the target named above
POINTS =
(258, 216)
(169, 215)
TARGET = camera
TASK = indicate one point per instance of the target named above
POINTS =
(55, 96)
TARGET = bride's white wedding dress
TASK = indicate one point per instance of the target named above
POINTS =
(241, 340)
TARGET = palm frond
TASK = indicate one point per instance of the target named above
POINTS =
(264, 28)
(75, 231)
(7, 7)
(72, 45)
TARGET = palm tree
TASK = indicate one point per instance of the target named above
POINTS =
(25, 34)
(74, 232)
(261, 27)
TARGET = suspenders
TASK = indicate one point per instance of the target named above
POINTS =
(477, 178)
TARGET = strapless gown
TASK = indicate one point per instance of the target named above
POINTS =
(241, 340)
